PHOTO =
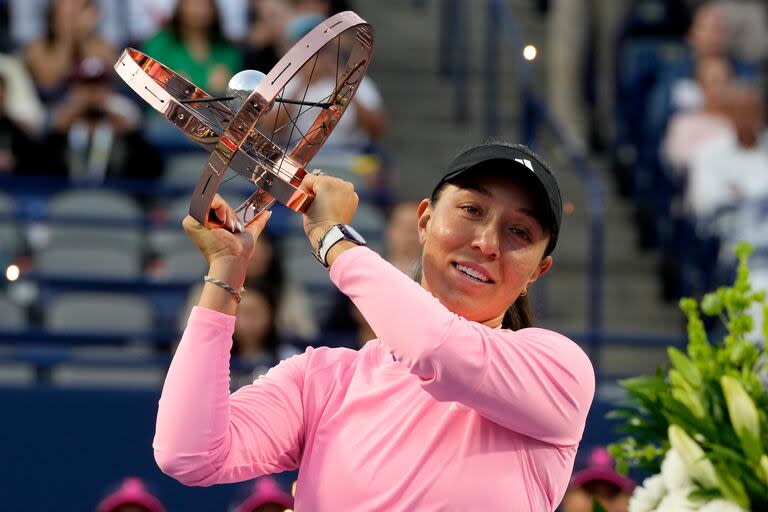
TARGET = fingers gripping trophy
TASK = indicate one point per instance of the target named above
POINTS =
(268, 127)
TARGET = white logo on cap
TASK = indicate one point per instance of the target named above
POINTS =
(525, 162)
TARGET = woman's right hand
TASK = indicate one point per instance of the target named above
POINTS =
(225, 240)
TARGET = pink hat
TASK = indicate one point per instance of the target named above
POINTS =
(265, 490)
(601, 469)
(132, 491)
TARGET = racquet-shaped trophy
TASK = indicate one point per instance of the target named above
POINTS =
(268, 127)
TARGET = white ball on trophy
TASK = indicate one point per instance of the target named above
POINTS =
(242, 85)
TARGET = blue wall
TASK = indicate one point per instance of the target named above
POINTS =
(65, 450)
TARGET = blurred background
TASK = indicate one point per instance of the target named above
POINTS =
(651, 112)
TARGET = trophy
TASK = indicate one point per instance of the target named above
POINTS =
(268, 127)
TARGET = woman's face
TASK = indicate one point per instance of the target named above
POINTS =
(483, 246)
(196, 13)
(253, 322)
(261, 259)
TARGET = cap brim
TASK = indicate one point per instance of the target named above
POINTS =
(599, 474)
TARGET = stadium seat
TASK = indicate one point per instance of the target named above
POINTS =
(73, 375)
(76, 262)
(98, 312)
(94, 203)
(14, 315)
(11, 240)
(181, 264)
(183, 170)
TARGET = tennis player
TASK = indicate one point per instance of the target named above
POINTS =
(459, 404)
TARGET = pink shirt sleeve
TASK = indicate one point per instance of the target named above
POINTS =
(535, 382)
(205, 436)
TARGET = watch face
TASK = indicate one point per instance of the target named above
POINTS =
(352, 233)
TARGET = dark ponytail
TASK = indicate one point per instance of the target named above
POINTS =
(519, 315)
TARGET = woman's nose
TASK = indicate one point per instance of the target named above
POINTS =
(487, 241)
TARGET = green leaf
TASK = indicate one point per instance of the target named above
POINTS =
(733, 490)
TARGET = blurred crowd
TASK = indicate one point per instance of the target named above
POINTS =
(63, 111)
(674, 96)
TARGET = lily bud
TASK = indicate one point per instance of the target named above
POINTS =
(684, 393)
(744, 416)
(698, 466)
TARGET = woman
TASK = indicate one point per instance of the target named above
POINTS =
(70, 36)
(194, 45)
(458, 405)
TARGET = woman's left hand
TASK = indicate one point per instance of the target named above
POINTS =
(335, 203)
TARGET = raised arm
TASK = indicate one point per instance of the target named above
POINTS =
(533, 381)
(205, 436)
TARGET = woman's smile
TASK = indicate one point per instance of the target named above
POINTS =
(474, 272)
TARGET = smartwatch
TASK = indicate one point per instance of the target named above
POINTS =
(334, 235)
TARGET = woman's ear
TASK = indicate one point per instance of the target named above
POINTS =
(424, 213)
(542, 269)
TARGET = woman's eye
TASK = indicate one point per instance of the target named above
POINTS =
(521, 233)
(471, 210)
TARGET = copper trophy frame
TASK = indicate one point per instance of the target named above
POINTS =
(241, 140)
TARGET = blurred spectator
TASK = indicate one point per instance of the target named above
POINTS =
(402, 237)
(294, 312)
(707, 37)
(690, 130)
(256, 342)
(255, 336)
(70, 36)
(345, 325)
(266, 270)
(21, 101)
(324, 8)
(600, 481)
(132, 496)
(734, 168)
(266, 497)
(96, 133)
(17, 149)
(265, 36)
(567, 61)
(193, 45)
(747, 22)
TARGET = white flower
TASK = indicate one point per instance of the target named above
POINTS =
(720, 505)
(674, 472)
(677, 501)
(646, 498)
(743, 414)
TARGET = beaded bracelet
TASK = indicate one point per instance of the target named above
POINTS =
(217, 282)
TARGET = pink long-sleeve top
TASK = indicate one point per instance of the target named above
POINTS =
(438, 413)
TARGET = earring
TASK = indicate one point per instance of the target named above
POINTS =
(524, 292)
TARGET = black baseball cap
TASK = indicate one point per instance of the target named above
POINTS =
(521, 160)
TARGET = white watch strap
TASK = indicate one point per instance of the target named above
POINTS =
(328, 241)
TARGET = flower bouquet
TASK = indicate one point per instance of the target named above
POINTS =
(701, 427)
